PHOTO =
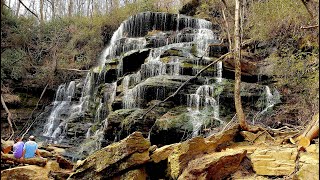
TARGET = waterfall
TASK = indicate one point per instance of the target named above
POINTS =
(97, 96)
(202, 105)
(60, 106)
(131, 97)
(271, 99)
(88, 133)
(98, 112)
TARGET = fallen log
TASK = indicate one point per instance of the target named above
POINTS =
(32, 161)
(311, 132)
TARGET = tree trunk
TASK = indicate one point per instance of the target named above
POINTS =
(53, 9)
(18, 8)
(9, 115)
(237, 57)
(227, 27)
(88, 8)
(33, 161)
(70, 6)
(311, 132)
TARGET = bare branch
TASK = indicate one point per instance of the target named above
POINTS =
(186, 82)
(44, 90)
(78, 70)
(9, 115)
(29, 9)
(309, 27)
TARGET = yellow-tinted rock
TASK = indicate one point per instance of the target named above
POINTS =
(136, 174)
(308, 166)
(30, 172)
(313, 148)
(45, 153)
(186, 151)
(52, 165)
(162, 153)
(275, 161)
(248, 136)
(198, 146)
(216, 165)
(108, 161)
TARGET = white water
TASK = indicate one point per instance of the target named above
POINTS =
(202, 105)
(60, 106)
(271, 99)
(129, 37)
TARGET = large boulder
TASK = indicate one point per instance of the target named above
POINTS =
(274, 161)
(116, 158)
(217, 165)
(186, 151)
(162, 153)
(123, 122)
(308, 166)
(30, 172)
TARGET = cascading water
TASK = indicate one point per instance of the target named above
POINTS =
(136, 33)
(202, 105)
(61, 106)
(271, 99)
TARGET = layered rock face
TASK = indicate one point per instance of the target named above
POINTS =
(148, 58)
(133, 158)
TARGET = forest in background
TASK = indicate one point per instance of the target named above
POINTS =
(37, 45)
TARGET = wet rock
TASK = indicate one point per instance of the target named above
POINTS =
(114, 123)
(123, 122)
(276, 161)
(250, 70)
(217, 50)
(174, 52)
(217, 165)
(133, 60)
(114, 159)
(171, 127)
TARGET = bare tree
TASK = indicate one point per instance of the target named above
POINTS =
(70, 8)
(237, 57)
(41, 11)
(18, 8)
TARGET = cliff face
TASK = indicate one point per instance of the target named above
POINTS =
(148, 58)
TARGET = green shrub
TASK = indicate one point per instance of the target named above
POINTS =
(274, 18)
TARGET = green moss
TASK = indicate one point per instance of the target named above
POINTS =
(165, 59)
(194, 49)
(186, 65)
